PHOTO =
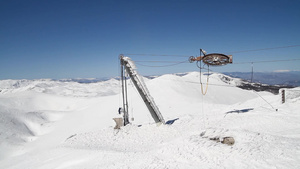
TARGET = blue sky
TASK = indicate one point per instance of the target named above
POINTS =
(83, 39)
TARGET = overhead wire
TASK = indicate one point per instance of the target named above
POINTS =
(266, 61)
(180, 62)
(271, 48)
(156, 55)
(264, 99)
(242, 51)
(211, 84)
(200, 67)
(158, 61)
(174, 64)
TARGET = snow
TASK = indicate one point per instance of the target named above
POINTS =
(54, 124)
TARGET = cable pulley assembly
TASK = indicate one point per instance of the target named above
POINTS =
(213, 59)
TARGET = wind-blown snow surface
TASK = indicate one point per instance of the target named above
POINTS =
(51, 124)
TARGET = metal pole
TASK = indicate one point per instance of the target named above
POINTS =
(124, 92)
(252, 72)
(126, 118)
(283, 96)
(122, 80)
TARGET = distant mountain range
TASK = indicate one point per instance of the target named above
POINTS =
(262, 81)
(291, 78)
(84, 80)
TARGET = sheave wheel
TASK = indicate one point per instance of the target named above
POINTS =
(215, 59)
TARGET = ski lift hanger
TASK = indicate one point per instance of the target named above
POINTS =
(212, 59)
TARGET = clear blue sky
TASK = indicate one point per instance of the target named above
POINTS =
(83, 38)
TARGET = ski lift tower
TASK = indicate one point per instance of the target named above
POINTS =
(128, 66)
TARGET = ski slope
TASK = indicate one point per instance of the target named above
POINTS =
(68, 125)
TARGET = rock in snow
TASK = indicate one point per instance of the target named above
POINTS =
(65, 124)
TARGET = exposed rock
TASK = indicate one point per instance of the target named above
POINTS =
(228, 140)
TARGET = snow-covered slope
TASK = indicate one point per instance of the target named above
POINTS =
(63, 88)
(55, 124)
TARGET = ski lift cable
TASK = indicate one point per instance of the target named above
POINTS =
(264, 99)
(179, 62)
(155, 55)
(271, 48)
(212, 84)
(242, 51)
(267, 61)
(174, 64)
(157, 61)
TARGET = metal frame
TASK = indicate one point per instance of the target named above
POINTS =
(128, 65)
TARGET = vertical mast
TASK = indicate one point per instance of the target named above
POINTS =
(124, 92)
